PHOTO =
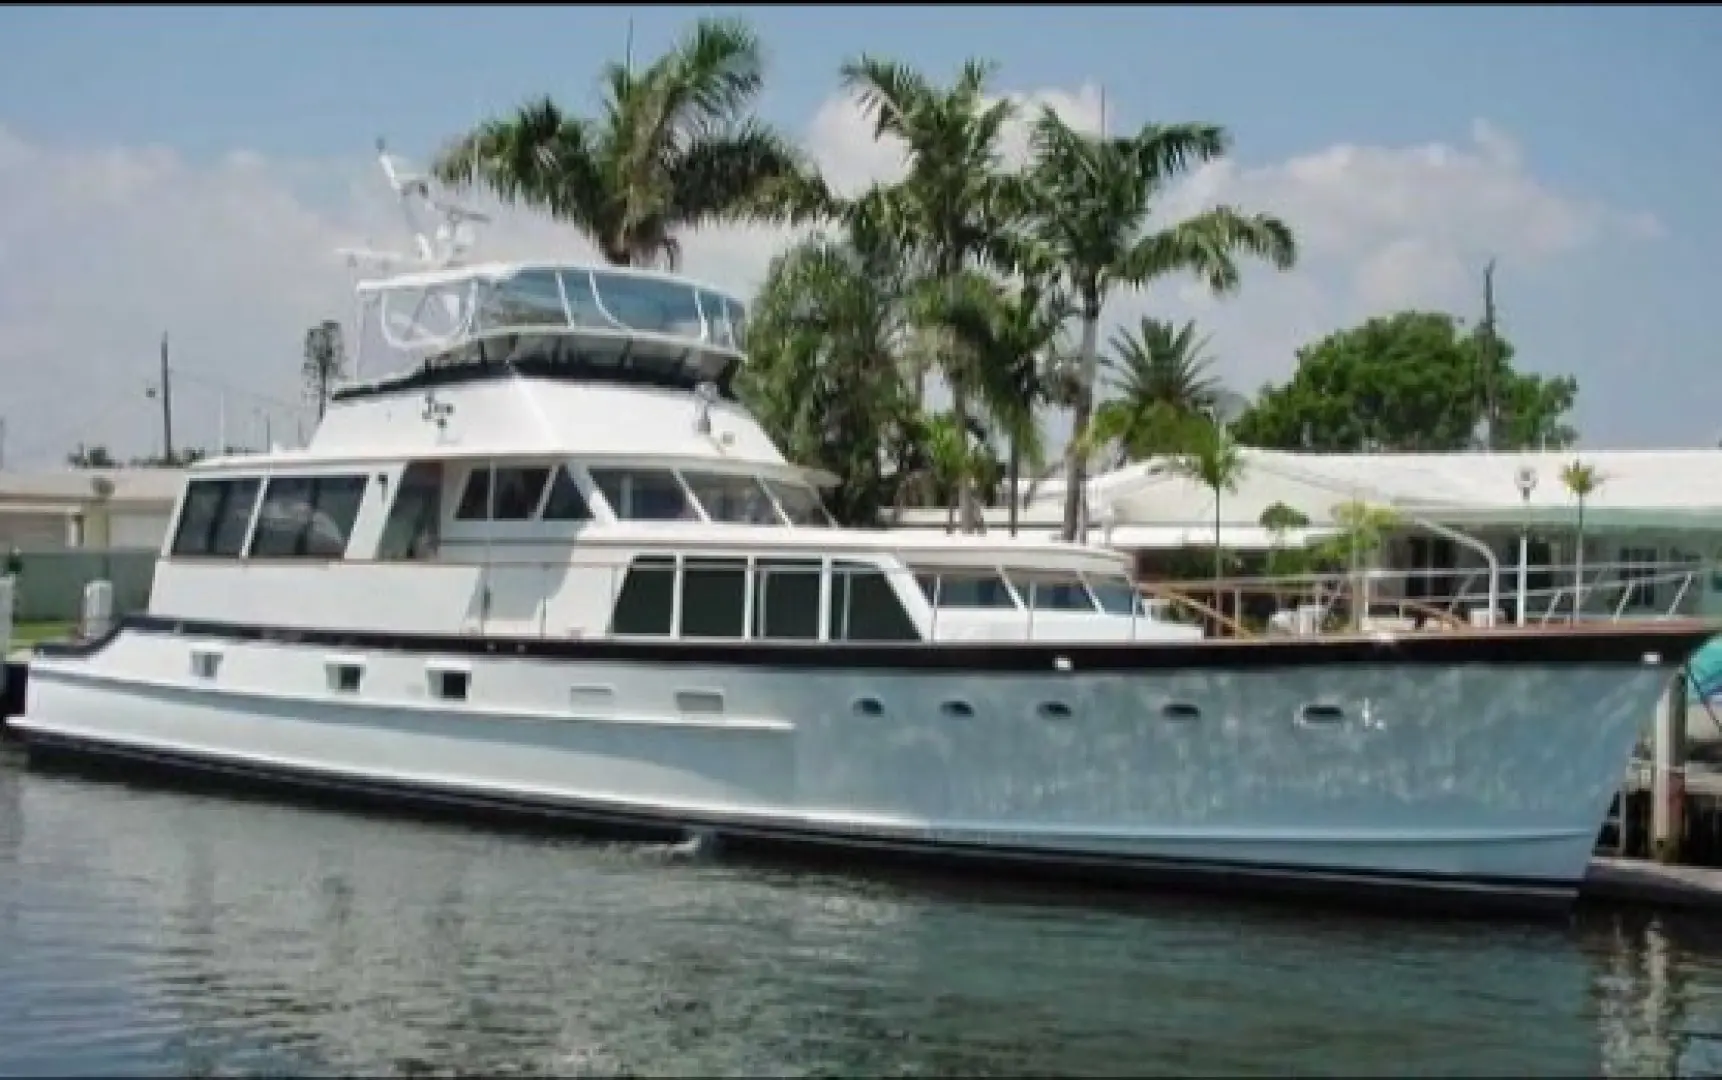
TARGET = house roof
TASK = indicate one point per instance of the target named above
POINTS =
(1647, 488)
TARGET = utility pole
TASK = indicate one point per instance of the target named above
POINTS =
(166, 407)
(1489, 354)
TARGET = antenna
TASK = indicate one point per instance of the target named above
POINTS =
(442, 246)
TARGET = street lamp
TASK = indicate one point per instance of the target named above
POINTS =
(1526, 479)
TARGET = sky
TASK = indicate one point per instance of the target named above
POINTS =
(193, 171)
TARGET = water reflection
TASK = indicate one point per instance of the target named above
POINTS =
(149, 932)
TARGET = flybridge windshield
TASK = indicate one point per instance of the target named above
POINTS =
(562, 300)
(564, 320)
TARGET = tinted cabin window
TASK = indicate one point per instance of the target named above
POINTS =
(645, 603)
(965, 589)
(215, 517)
(518, 489)
(307, 517)
(1052, 592)
(411, 529)
(197, 513)
(644, 494)
(474, 502)
(800, 505)
(231, 525)
(565, 502)
(732, 498)
(786, 599)
(865, 608)
(714, 598)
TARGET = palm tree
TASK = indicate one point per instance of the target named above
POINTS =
(824, 373)
(1582, 481)
(1007, 332)
(325, 362)
(1160, 376)
(672, 149)
(1214, 460)
(1095, 195)
(954, 209)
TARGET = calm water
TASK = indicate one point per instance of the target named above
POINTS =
(149, 932)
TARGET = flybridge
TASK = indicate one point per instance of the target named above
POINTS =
(440, 317)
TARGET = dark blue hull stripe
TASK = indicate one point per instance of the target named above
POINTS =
(1628, 644)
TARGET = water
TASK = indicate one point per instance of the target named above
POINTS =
(147, 932)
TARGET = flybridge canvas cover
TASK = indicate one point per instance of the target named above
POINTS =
(431, 316)
(555, 313)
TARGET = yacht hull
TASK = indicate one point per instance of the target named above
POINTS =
(1472, 769)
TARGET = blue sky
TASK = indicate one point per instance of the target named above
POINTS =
(1591, 130)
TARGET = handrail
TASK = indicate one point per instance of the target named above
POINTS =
(1163, 593)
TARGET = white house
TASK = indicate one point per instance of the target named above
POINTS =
(87, 508)
(1456, 511)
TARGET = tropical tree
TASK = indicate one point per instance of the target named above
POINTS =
(824, 375)
(1581, 481)
(1361, 531)
(1095, 195)
(1159, 376)
(1397, 383)
(672, 148)
(1279, 520)
(324, 363)
(954, 209)
(1007, 333)
(91, 457)
(943, 457)
(1212, 458)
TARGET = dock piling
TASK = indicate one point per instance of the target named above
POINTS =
(1668, 773)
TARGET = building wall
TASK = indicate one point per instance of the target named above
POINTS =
(29, 530)
(138, 529)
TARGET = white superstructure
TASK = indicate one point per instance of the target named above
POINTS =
(551, 565)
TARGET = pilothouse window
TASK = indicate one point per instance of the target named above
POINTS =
(411, 529)
(215, 517)
(800, 505)
(307, 516)
(733, 498)
(644, 494)
(518, 489)
(565, 502)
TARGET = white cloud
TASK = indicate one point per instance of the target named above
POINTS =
(101, 249)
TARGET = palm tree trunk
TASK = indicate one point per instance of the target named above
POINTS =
(1219, 557)
(1076, 462)
(1015, 477)
(1578, 562)
(966, 515)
